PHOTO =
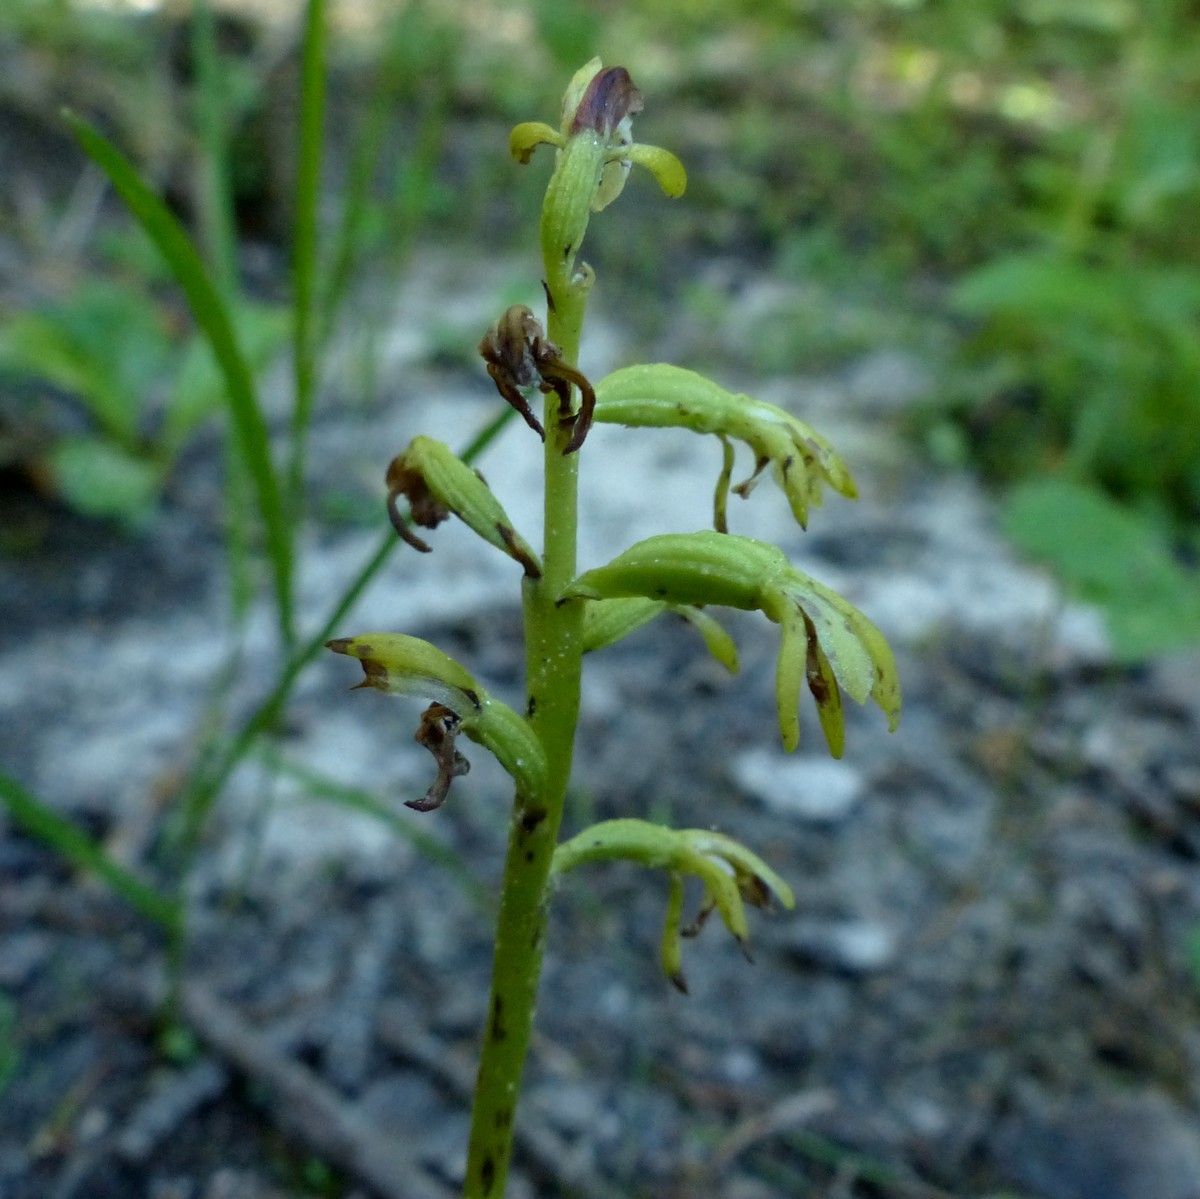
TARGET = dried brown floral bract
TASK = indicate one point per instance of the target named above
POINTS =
(436, 483)
(438, 732)
(520, 355)
(424, 508)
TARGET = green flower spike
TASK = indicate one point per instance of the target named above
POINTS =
(436, 482)
(730, 874)
(402, 665)
(662, 396)
(826, 642)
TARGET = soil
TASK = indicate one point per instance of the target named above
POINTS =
(989, 985)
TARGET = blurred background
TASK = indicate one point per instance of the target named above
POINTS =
(959, 239)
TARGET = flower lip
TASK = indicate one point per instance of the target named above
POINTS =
(610, 98)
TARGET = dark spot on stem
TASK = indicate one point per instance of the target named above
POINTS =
(498, 1030)
(531, 818)
(529, 856)
(503, 1118)
(487, 1175)
(531, 707)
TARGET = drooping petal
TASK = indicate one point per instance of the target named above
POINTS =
(745, 863)
(401, 665)
(528, 135)
(731, 875)
(436, 482)
(662, 164)
(671, 950)
(826, 642)
(789, 674)
(717, 640)
(665, 396)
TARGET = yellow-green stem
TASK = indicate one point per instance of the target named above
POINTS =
(553, 657)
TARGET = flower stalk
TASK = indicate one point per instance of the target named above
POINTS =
(553, 668)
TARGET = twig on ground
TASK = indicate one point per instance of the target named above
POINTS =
(157, 1117)
(303, 1106)
(298, 1102)
(789, 1113)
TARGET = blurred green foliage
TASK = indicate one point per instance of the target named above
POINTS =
(144, 386)
(1112, 557)
(1008, 187)
(10, 1052)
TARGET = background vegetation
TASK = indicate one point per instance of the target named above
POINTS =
(1008, 188)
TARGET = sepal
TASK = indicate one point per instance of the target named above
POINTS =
(731, 876)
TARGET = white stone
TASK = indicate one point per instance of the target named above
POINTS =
(809, 787)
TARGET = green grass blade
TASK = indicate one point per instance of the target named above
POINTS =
(355, 209)
(359, 799)
(212, 120)
(42, 822)
(205, 787)
(219, 229)
(213, 318)
(304, 246)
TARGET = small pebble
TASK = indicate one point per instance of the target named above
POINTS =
(852, 946)
(811, 788)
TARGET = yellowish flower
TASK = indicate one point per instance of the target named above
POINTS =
(601, 102)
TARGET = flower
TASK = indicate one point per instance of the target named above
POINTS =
(826, 642)
(730, 876)
(600, 102)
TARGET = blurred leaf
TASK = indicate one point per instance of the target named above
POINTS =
(1192, 949)
(1111, 557)
(99, 478)
(568, 29)
(199, 384)
(1111, 356)
(1032, 287)
(306, 196)
(107, 345)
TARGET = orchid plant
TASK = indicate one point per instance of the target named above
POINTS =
(826, 644)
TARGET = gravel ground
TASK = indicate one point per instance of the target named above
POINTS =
(988, 987)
